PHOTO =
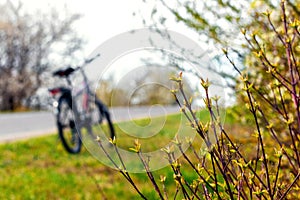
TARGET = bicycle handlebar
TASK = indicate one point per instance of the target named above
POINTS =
(91, 59)
(87, 61)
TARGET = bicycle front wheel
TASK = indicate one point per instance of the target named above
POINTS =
(67, 131)
(100, 119)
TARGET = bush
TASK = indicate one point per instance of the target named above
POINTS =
(266, 166)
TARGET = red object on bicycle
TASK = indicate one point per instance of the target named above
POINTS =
(54, 91)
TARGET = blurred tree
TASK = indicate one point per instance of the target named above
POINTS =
(219, 23)
(149, 86)
(260, 36)
(110, 95)
(145, 85)
(28, 43)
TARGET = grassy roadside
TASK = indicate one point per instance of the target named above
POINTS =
(40, 168)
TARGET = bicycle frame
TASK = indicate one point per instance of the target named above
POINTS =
(73, 96)
(85, 91)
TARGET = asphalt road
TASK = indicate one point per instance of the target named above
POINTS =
(16, 126)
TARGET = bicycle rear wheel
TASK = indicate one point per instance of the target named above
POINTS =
(67, 131)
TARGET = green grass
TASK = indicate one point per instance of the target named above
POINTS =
(40, 168)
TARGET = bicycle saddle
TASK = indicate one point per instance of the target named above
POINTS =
(64, 72)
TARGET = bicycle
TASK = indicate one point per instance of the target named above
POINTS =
(74, 112)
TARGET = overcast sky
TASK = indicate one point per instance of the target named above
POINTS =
(104, 19)
(101, 19)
